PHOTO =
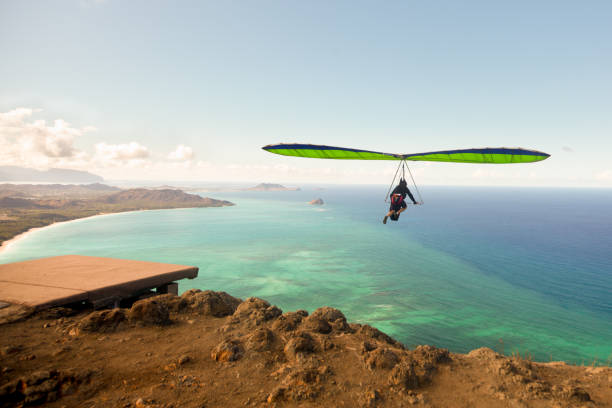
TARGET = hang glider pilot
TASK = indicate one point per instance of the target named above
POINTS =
(398, 201)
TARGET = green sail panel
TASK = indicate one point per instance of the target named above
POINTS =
(494, 155)
(328, 152)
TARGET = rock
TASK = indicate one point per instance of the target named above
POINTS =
(538, 389)
(373, 333)
(381, 358)
(484, 353)
(571, 393)
(329, 314)
(257, 310)
(334, 317)
(42, 386)
(404, 375)
(103, 321)
(253, 312)
(302, 343)
(366, 347)
(289, 321)
(227, 350)
(175, 304)
(150, 311)
(217, 304)
(414, 398)
(370, 398)
(316, 324)
(261, 339)
(520, 370)
(276, 395)
(56, 313)
(318, 201)
(250, 305)
(305, 384)
(184, 359)
(431, 355)
(272, 312)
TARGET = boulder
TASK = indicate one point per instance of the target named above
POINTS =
(256, 310)
(372, 333)
(334, 317)
(431, 355)
(484, 353)
(289, 321)
(217, 304)
(175, 304)
(227, 350)
(370, 398)
(42, 387)
(261, 339)
(316, 324)
(571, 393)
(381, 358)
(301, 343)
(404, 376)
(103, 321)
(150, 311)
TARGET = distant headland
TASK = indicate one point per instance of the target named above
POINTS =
(27, 206)
(16, 173)
(272, 187)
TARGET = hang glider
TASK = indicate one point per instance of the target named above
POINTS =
(493, 155)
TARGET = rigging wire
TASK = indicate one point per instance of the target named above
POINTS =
(415, 186)
(403, 166)
(393, 181)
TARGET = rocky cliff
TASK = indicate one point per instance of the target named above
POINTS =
(209, 349)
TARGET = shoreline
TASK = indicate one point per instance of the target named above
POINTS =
(6, 244)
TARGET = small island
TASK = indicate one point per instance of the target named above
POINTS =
(318, 201)
(27, 206)
(272, 187)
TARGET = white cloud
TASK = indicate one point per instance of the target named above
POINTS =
(181, 153)
(132, 154)
(37, 143)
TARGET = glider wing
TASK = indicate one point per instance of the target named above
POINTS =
(328, 152)
(496, 155)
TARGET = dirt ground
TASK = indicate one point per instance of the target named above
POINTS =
(209, 349)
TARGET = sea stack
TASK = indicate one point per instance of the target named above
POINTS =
(318, 201)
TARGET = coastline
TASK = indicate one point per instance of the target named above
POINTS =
(6, 244)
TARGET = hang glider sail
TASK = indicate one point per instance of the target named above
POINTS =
(494, 155)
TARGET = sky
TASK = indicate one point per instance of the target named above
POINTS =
(191, 90)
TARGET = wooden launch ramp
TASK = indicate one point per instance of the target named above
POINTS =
(69, 279)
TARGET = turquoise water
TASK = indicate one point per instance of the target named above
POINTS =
(511, 269)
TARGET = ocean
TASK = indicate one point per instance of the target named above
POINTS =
(525, 270)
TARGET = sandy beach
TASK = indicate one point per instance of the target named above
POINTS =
(6, 244)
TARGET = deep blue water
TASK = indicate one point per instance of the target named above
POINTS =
(522, 269)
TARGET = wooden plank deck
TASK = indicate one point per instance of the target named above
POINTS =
(60, 280)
